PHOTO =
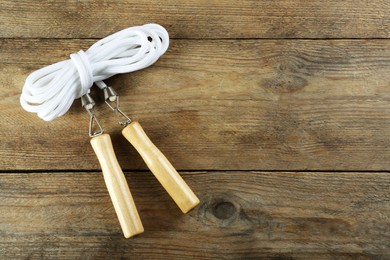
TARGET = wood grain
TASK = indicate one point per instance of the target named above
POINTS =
(161, 168)
(218, 105)
(117, 186)
(241, 215)
(198, 19)
(246, 86)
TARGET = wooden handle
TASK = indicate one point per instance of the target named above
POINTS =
(161, 167)
(117, 186)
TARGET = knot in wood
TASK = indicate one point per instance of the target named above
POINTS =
(224, 210)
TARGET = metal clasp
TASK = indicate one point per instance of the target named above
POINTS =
(88, 103)
(112, 100)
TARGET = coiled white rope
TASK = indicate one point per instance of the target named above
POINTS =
(50, 91)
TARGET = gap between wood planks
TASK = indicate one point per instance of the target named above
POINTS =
(208, 39)
(27, 171)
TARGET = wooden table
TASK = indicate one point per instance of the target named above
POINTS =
(276, 113)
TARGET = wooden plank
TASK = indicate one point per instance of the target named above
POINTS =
(218, 104)
(241, 215)
(198, 19)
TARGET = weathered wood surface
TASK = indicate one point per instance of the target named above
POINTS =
(218, 104)
(249, 85)
(198, 19)
(242, 215)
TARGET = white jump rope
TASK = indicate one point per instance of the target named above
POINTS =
(50, 92)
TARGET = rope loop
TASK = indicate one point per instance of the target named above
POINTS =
(50, 91)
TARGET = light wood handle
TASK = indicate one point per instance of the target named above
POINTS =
(161, 167)
(117, 186)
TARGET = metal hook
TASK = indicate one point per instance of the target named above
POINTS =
(110, 96)
(88, 103)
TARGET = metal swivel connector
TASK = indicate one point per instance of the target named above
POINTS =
(88, 103)
(112, 100)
